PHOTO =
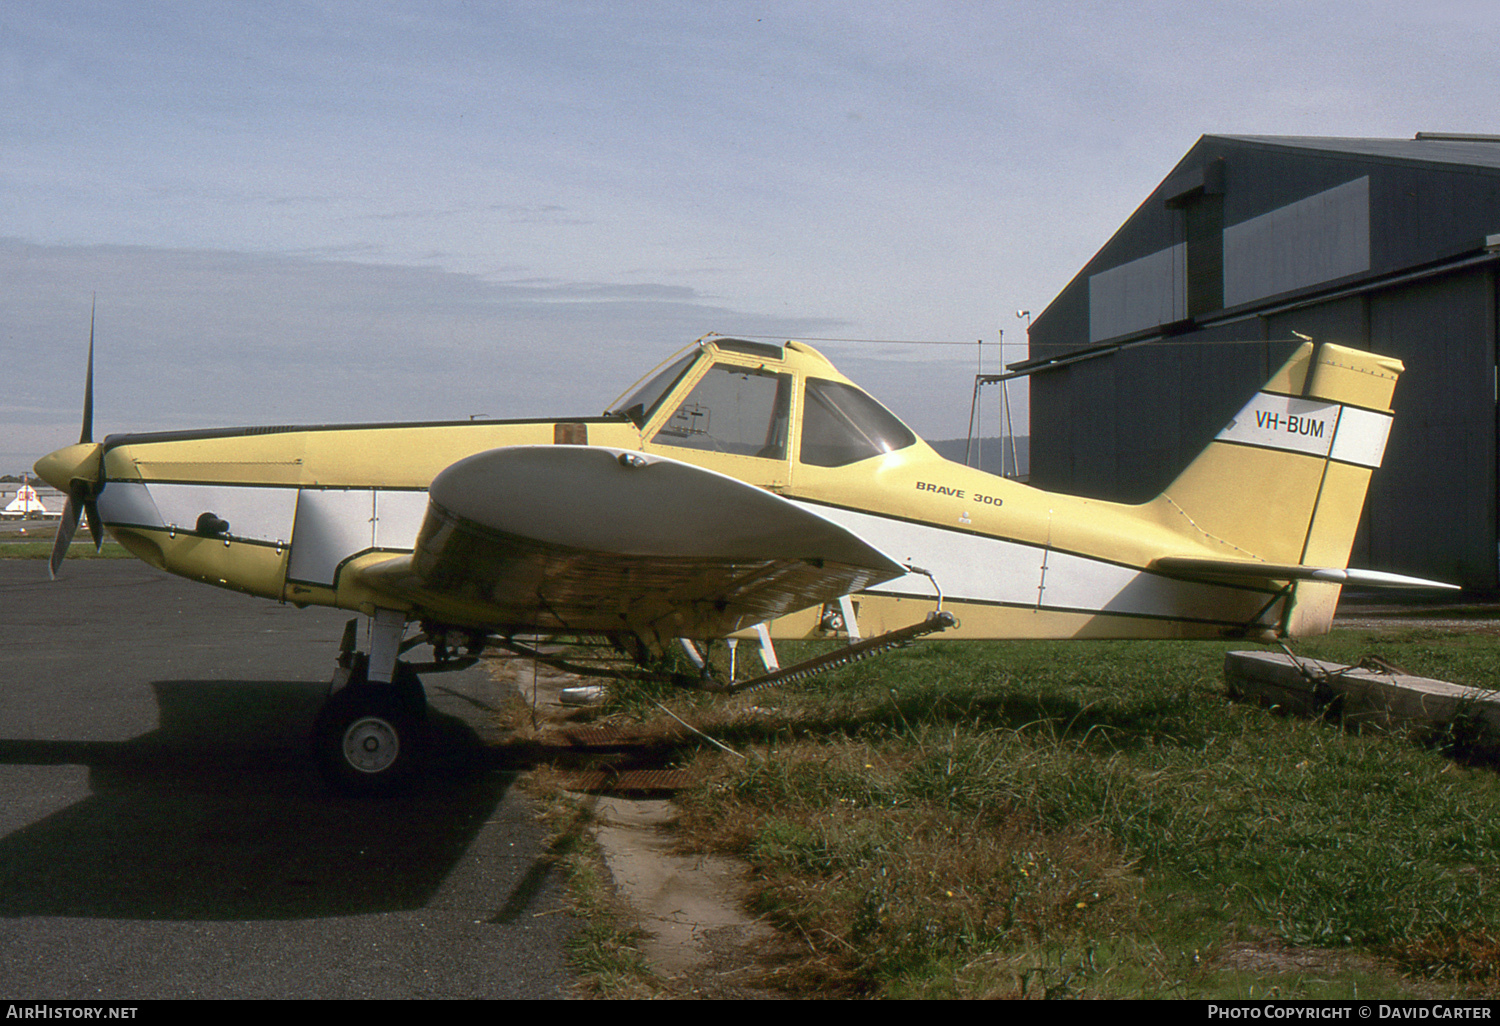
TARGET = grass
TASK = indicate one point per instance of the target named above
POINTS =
(603, 952)
(80, 549)
(1096, 819)
(37, 544)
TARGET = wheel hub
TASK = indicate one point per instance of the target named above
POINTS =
(371, 745)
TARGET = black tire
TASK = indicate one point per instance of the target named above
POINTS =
(370, 739)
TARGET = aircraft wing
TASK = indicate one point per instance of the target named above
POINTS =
(591, 539)
(1248, 571)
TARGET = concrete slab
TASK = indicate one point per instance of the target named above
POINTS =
(1364, 696)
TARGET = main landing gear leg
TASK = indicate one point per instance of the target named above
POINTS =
(370, 736)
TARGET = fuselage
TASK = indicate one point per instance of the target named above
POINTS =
(299, 506)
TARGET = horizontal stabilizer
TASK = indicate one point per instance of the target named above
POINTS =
(1251, 570)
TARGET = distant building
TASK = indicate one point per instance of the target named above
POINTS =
(1390, 245)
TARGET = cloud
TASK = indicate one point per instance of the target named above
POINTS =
(203, 338)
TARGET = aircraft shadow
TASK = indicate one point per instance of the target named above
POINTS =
(219, 814)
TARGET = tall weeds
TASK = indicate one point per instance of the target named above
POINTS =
(976, 819)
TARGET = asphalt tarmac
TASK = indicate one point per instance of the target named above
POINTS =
(163, 833)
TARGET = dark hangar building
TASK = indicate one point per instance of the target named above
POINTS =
(1390, 245)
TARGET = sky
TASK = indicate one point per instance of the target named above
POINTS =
(294, 211)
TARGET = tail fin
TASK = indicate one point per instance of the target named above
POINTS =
(1285, 481)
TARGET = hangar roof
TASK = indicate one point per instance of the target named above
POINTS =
(1292, 224)
(1427, 147)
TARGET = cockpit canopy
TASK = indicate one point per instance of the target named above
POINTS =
(747, 410)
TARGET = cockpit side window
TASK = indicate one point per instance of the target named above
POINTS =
(842, 425)
(643, 400)
(743, 411)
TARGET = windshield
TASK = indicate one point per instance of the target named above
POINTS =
(644, 399)
(842, 425)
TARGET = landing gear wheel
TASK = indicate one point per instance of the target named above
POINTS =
(370, 738)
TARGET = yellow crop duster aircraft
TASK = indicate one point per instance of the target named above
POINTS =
(745, 488)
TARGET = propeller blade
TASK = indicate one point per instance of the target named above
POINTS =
(96, 526)
(65, 528)
(84, 490)
(87, 434)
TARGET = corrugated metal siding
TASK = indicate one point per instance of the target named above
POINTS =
(1131, 422)
(1432, 504)
(1122, 426)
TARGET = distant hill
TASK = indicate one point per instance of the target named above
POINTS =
(989, 452)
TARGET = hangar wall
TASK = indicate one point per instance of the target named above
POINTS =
(1389, 245)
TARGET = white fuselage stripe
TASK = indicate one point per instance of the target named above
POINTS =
(330, 525)
(994, 571)
(326, 527)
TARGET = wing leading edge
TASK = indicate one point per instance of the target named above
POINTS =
(592, 539)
